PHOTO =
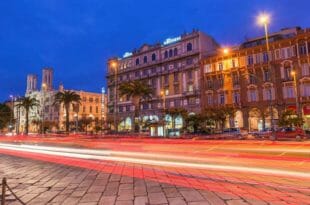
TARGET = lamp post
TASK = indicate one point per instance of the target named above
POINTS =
(43, 107)
(12, 113)
(264, 19)
(76, 122)
(114, 66)
(162, 93)
(293, 73)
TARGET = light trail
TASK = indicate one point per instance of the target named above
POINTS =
(107, 155)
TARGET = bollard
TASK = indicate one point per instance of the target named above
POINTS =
(3, 191)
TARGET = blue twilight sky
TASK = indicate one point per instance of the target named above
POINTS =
(76, 37)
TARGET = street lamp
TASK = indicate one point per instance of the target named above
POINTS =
(114, 66)
(162, 93)
(12, 115)
(264, 19)
(225, 51)
(293, 73)
(43, 107)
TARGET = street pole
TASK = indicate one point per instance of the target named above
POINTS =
(43, 106)
(270, 91)
(12, 113)
(76, 122)
(115, 96)
(296, 97)
(164, 108)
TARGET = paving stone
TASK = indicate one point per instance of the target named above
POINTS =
(236, 202)
(192, 195)
(157, 198)
(91, 197)
(177, 201)
(124, 203)
(141, 200)
(105, 200)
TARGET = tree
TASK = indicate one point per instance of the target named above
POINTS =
(289, 118)
(137, 91)
(5, 115)
(174, 113)
(85, 122)
(27, 103)
(194, 122)
(67, 98)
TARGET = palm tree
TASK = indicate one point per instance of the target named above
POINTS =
(137, 91)
(27, 103)
(67, 98)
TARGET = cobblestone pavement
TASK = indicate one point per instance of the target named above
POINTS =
(66, 182)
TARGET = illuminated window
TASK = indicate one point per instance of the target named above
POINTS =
(190, 88)
(220, 66)
(189, 47)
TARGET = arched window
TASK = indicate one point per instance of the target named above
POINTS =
(137, 61)
(166, 54)
(189, 47)
(175, 52)
(145, 59)
(170, 53)
(153, 57)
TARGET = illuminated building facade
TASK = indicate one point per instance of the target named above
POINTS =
(86, 116)
(91, 111)
(172, 69)
(256, 82)
(47, 110)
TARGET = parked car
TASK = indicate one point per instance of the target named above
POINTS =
(262, 134)
(233, 133)
(289, 133)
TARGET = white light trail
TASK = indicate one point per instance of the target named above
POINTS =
(106, 155)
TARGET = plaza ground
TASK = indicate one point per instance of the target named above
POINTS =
(84, 170)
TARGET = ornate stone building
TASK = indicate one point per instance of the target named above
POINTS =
(260, 84)
(93, 107)
(171, 68)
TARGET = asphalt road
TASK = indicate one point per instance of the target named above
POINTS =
(232, 172)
